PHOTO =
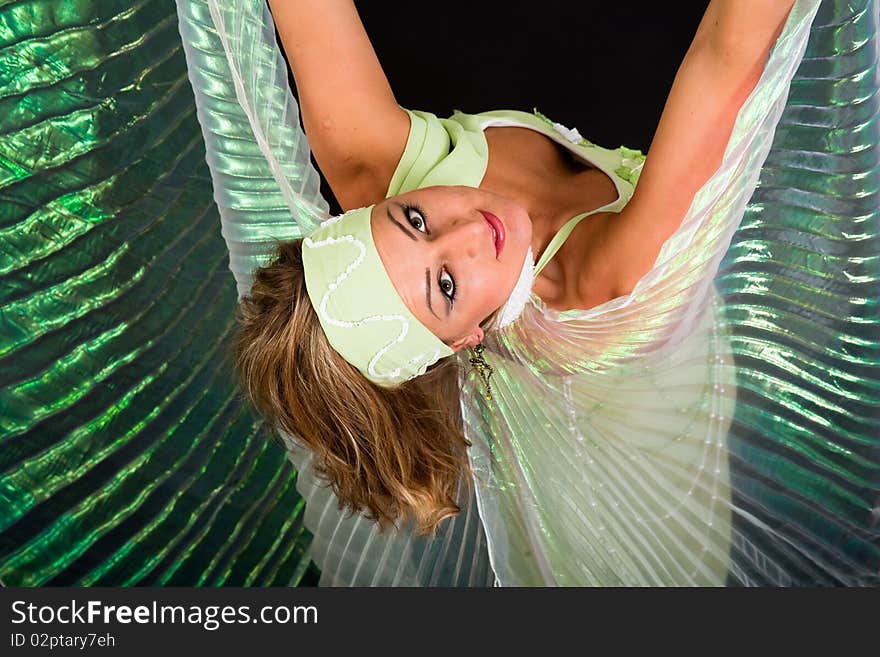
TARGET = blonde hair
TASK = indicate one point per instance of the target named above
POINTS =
(391, 453)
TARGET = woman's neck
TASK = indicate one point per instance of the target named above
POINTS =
(530, 169)
(553, 187)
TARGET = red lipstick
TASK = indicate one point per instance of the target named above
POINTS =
(498, 234)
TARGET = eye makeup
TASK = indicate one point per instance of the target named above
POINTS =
(445, 281)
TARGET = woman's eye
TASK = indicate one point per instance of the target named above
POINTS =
(447, 284)
(416, 219)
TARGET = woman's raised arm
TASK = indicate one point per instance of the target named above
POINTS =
(354, 125)
(719, 71)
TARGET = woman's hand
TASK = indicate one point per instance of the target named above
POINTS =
(355, 127)
(719, 71)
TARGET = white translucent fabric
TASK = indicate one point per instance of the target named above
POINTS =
(267, 190)
(264, 182)
(604, 459)
(676, 436)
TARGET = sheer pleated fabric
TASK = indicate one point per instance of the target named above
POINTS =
(264, 182)
(719, 425)
(267, 190)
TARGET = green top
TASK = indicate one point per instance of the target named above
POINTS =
(454, 151)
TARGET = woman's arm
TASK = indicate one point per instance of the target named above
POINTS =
(355, 127)
(719, 71)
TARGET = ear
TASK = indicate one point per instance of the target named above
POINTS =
(471, 339)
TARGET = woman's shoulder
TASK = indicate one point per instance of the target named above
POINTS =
(584, 273)
(362, 176)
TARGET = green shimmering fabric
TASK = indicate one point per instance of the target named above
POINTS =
(719, 425)
(126, 456)
(801, 285)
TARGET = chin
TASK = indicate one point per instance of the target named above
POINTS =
(520, 218)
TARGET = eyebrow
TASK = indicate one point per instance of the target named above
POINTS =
(400, 225)
(428, 291)
(427, 269)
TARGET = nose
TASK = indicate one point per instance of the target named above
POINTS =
(465, 236)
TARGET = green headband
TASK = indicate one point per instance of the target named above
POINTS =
(362, 315)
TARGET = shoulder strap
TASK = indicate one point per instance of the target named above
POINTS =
(560, 237)
(616, 164)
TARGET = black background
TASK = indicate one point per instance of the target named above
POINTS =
(604, 67)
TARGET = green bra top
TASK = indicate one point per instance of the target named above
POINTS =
(454, 151)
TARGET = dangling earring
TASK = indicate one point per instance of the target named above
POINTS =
(484, 370)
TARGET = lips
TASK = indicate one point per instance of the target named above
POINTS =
(498, 234)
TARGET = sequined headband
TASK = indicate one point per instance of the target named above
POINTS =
(364, 318)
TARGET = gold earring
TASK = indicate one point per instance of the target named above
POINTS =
(484, 370)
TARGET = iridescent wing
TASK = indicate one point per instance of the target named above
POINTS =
(720, 424)
(127, 456)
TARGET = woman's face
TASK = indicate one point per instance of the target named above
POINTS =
(454, 255)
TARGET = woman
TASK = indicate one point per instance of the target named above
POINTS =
(600, 451)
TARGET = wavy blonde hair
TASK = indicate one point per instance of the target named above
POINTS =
(391, 453)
